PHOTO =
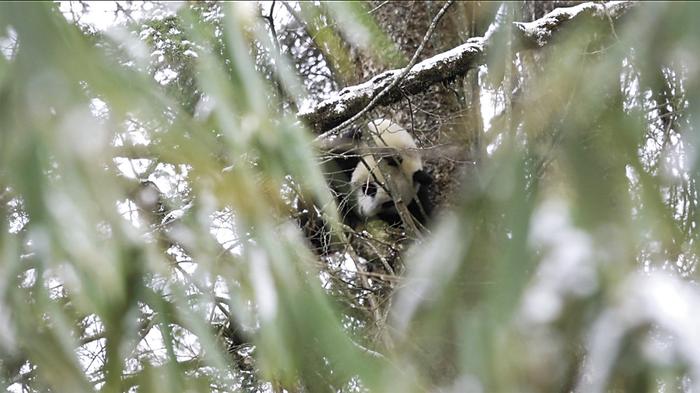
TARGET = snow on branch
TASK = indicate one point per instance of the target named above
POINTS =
(538, 33)
(352, 99)
(445, 66)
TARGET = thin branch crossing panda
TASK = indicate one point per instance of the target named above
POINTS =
(404, 166)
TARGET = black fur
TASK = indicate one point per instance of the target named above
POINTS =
(421, 207)
(422, 177)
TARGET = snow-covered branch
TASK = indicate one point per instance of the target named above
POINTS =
(538, 33)
(445, 66)
(352, 99)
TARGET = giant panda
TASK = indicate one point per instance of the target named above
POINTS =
(404, 166)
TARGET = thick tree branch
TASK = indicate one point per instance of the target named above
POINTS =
(450, 64)
(351, 100)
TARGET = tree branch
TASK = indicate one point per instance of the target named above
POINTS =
(404, 72)
(538, 33)
(382, 89)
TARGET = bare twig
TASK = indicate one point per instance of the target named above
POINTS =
(378, 7)
(271, 22)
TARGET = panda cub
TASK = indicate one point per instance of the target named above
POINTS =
(405, 168)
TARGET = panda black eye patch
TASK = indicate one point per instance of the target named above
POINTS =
(395, 161)
(422, 177)
(371, 189)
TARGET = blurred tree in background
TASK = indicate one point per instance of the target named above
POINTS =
(168, 225)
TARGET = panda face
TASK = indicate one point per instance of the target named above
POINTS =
(368, 182)
(372, 197)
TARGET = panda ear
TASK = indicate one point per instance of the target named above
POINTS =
(422, 177)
